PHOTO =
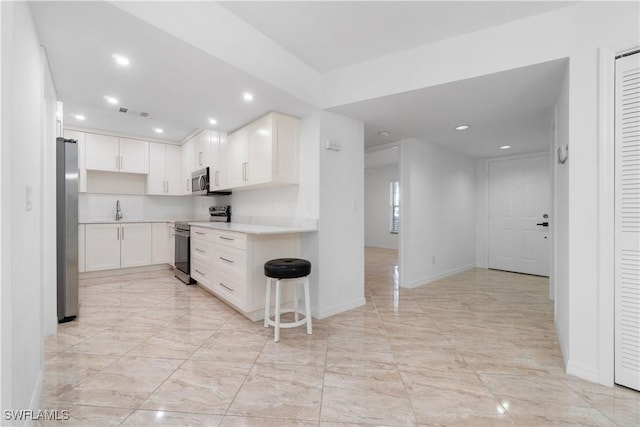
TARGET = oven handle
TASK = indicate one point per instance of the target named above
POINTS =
(182, 233)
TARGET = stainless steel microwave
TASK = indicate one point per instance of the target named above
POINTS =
(201, 183)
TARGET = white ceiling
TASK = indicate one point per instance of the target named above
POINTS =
(181, 86)
(513, 107)
(333, 34)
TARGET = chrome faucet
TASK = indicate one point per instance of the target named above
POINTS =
(118, 211)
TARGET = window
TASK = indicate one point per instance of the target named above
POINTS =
(395, 207)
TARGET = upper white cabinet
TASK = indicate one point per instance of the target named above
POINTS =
(219, 180)
(134, 155)
(202, 150)
(110, 153)
(82, 171)
(186, 151)
(265, 152)
(164, 175)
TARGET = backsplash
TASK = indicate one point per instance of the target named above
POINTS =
(99, 207)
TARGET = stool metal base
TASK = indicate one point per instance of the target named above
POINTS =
(276, 323)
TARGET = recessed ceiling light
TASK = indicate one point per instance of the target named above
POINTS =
(111, 100)
(213, 121)
(462, 127)
(247, 96)
(158, 130)
(79, 117)
(505, 147)
(121, 60)
(384, 133)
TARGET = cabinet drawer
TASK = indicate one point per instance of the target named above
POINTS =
(202, 248)
(231, 261)
(230, 238)
(201, 272)
(232, 290)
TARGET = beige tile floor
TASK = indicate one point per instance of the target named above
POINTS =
(477, 348)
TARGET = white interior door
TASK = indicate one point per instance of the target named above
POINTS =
(627, 222)
(519, 199)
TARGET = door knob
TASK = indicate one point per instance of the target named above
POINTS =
(544, 224)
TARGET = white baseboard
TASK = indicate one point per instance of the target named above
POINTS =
(337, 309)
(583, 371)
(433, 278)
(36, 397)
(482, 265)
(121, 271)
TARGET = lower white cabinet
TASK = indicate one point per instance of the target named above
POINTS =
(231, 265)
(110, 246)
(163, 243)
(81, 265)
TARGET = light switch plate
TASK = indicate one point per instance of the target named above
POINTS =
(28, 197)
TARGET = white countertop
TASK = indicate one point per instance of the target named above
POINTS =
(125, 221)
(250, 228)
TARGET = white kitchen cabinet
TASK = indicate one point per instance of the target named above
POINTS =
(161, 243)
(172, 243)
(237, 157)
(164, 177)
(134, 155)
(231, 265)
(82, 171)
(186, 150)
(135, 244)
(114, 154)
(81, 262)
(265, 152)
(202, 150)
(111, 246)
(219, 180)
(102, 246)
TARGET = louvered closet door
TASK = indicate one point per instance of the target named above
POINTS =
(627, 222)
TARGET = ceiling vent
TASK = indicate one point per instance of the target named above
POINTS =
(133, 112)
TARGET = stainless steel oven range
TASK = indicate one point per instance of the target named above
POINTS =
(183, 252)
(183, 241)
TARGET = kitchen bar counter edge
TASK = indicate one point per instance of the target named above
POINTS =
(251, 228)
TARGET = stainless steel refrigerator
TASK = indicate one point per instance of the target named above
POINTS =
(67, 227)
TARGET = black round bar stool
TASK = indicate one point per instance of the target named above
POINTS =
(287, 271)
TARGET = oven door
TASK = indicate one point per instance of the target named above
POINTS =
(182, 255)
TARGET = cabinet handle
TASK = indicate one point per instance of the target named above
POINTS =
(118, 232)
(199, 232)
(122, 233)
(187, 185)
(244, 171)
(200, 250)
(199, 272)
(200, 158)
(217, 183)
(225, 286)
(225, 238)
(117, 162)
(227, 260)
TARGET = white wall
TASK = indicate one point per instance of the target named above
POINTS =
(48, 160)
(481, 197)
(560, 221)
(341, 216)
(377, 210)
(575, 32)
(22, 234)
(438, 216)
